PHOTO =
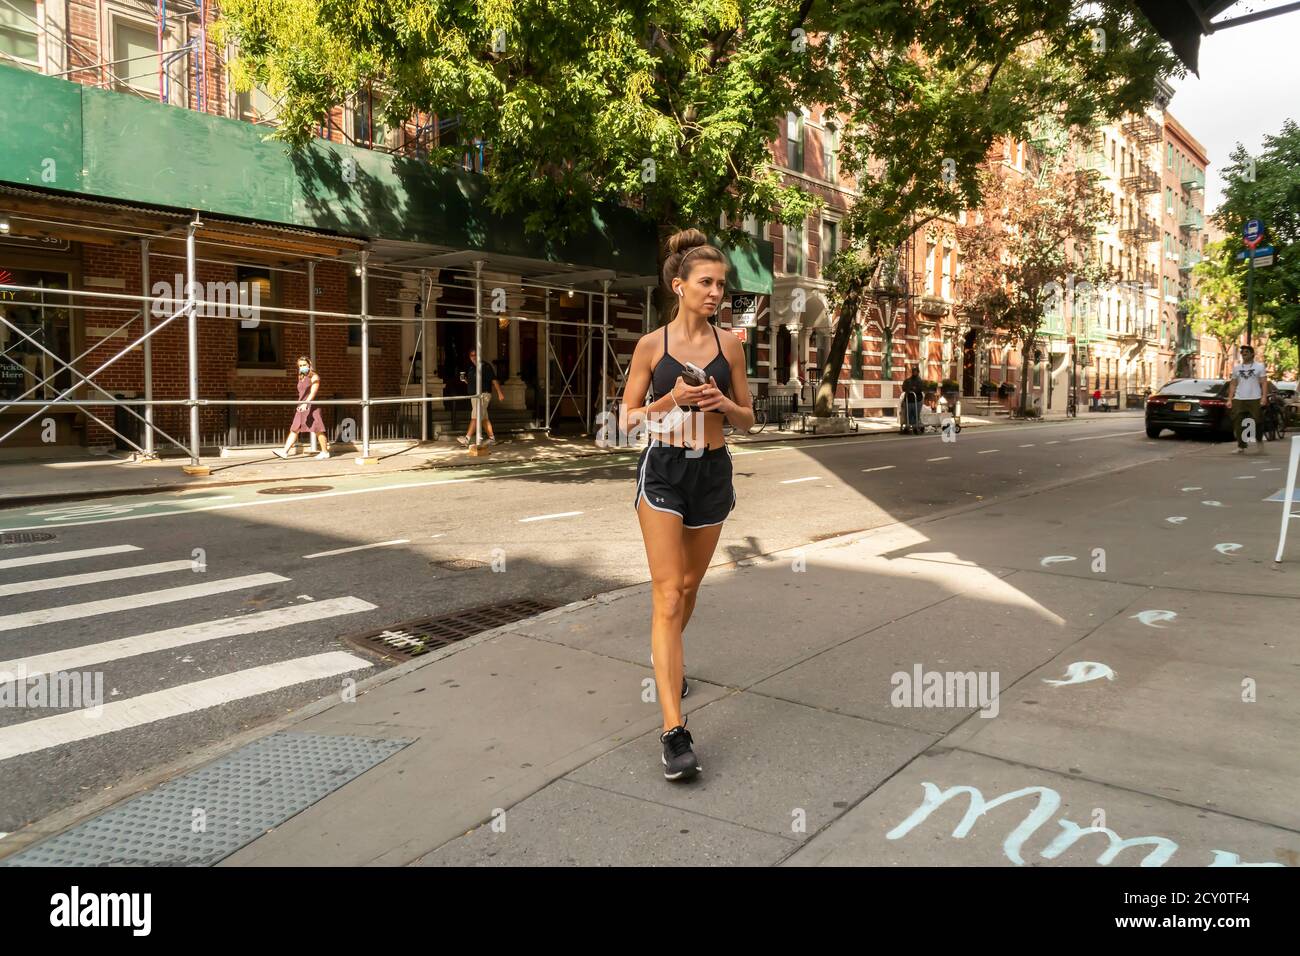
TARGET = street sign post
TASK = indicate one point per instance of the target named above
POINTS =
(1252, 233)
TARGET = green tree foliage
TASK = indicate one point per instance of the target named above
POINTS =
(669, 106)
(1031, 251)
(672, 105)
(927, 88)
(1272, 195)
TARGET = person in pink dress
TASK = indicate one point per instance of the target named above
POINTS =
(307, 417)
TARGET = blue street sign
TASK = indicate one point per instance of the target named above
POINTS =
(1252, 230)
(1256, 253)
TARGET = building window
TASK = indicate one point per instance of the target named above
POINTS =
(259, 346)
(256, 106)
(752, 227)
(19, 33)
(1169, 155)
(367, 129)
(1169, 201)
(830, 240)
(794, 249)
(929, 268)
(831, 151)
(946, 288)
(135, 57)
(794, 141)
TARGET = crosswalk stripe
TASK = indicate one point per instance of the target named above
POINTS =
(65, 556)
(72, 612)
(66, 728)
(89, 655)
(94, 577)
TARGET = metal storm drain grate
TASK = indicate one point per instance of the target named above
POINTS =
(204, 816)
(295, 490)
(25, 537)
(414, 638)
(460, 564)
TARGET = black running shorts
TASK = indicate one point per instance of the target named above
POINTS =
(693, 484)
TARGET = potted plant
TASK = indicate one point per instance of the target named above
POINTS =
(951, 389)
(987, 388)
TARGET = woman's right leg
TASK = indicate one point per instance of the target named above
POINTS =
(662, 533)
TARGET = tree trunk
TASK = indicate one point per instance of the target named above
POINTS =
(825, 399)
(1026, 358)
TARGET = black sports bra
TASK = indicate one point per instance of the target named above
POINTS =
(664, 376)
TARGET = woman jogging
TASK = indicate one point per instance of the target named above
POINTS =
(307, 418)
(683, 489)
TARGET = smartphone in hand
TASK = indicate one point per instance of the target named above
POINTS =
(692, 374)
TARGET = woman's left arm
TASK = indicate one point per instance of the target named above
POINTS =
(315, 387)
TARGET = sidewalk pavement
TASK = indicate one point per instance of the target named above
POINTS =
(1142, 686)
(34, 481)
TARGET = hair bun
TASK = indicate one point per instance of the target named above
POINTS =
(679, 243)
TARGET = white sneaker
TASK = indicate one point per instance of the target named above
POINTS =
(280, 453)
(491, 441)
(322, 456)
(463, 440)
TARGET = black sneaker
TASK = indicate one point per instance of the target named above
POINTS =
(678, 757)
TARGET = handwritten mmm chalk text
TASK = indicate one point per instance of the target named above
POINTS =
(1049, 801)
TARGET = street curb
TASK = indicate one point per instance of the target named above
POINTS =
(93, 806)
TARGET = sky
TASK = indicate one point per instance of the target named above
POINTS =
(1249, 84)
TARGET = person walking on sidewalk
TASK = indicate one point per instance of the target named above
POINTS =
(1249, 383)
(913, 395)
(480, 404)
(684, 489)
(307, 417)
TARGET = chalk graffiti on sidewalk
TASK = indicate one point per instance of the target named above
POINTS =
(1049, 802)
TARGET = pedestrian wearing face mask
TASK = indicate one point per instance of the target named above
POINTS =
(307, 417)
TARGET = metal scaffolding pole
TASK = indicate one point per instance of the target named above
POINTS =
(311, 324)
(478, 350)
(365, 357)
(604, 357)
(192, 316)
(546, 355)
(311, 311)
(148, 353)
(588, 404)
(424, 356)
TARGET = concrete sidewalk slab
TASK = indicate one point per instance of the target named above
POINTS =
(766, 764)
(570, 824)
(1175, 720)
(744, 630)
(1009, 632)
(495, 723)
(1020, 818)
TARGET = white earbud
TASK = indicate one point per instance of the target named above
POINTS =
(679, 291)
